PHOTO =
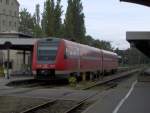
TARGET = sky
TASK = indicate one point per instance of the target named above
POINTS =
(107, 19)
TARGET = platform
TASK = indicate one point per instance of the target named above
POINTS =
(138, 101)
(127, 98)
(4, 81)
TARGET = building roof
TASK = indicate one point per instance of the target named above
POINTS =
(138, 35)
(18, 43)
(142, 2)
(140, 40)
(14, 35)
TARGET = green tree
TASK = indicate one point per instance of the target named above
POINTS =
(26, 22)
(44, 20)
(50, 17)
(29, 24)
(37, 14)
(74, 21)
(57, 19)
(51, 22)
(89, 40)
(37, 30)
(98, 43)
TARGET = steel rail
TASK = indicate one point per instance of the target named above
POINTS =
(31, 110)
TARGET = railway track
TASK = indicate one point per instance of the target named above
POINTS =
(58, 106)
(71, 106)
(64, 106)
(78, 105)
(32, 110)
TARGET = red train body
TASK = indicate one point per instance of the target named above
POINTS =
(59, 57)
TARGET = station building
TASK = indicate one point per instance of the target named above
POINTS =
(9, 15)
(9, 27)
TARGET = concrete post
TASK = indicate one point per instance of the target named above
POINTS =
(24, 57)
(31, 56)
(8, 60)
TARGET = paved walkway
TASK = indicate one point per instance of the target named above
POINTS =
(129, 97)
(4, 81)
(108, 101)
(138, 101)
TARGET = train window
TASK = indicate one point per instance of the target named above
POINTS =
(47, 55)
(47, 50)
(48, 43)
(72, 52)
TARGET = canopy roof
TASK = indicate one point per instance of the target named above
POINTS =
(142, 2)
(140, 40)
(18, 43)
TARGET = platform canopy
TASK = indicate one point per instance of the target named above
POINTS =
(140, 40)
(17, 43)
(142, 2)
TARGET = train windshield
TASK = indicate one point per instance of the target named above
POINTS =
(47, 51)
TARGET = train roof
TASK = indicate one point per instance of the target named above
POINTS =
(109, 52)
(97, 49)
(49, 39)
(81, 45)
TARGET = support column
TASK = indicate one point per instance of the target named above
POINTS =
(24, 61)
(8, 46)
(8, 60)
(24, 57)
(31, 56)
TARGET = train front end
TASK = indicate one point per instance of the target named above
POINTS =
(44, 58)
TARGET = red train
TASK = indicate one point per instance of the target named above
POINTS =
(60, 58)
